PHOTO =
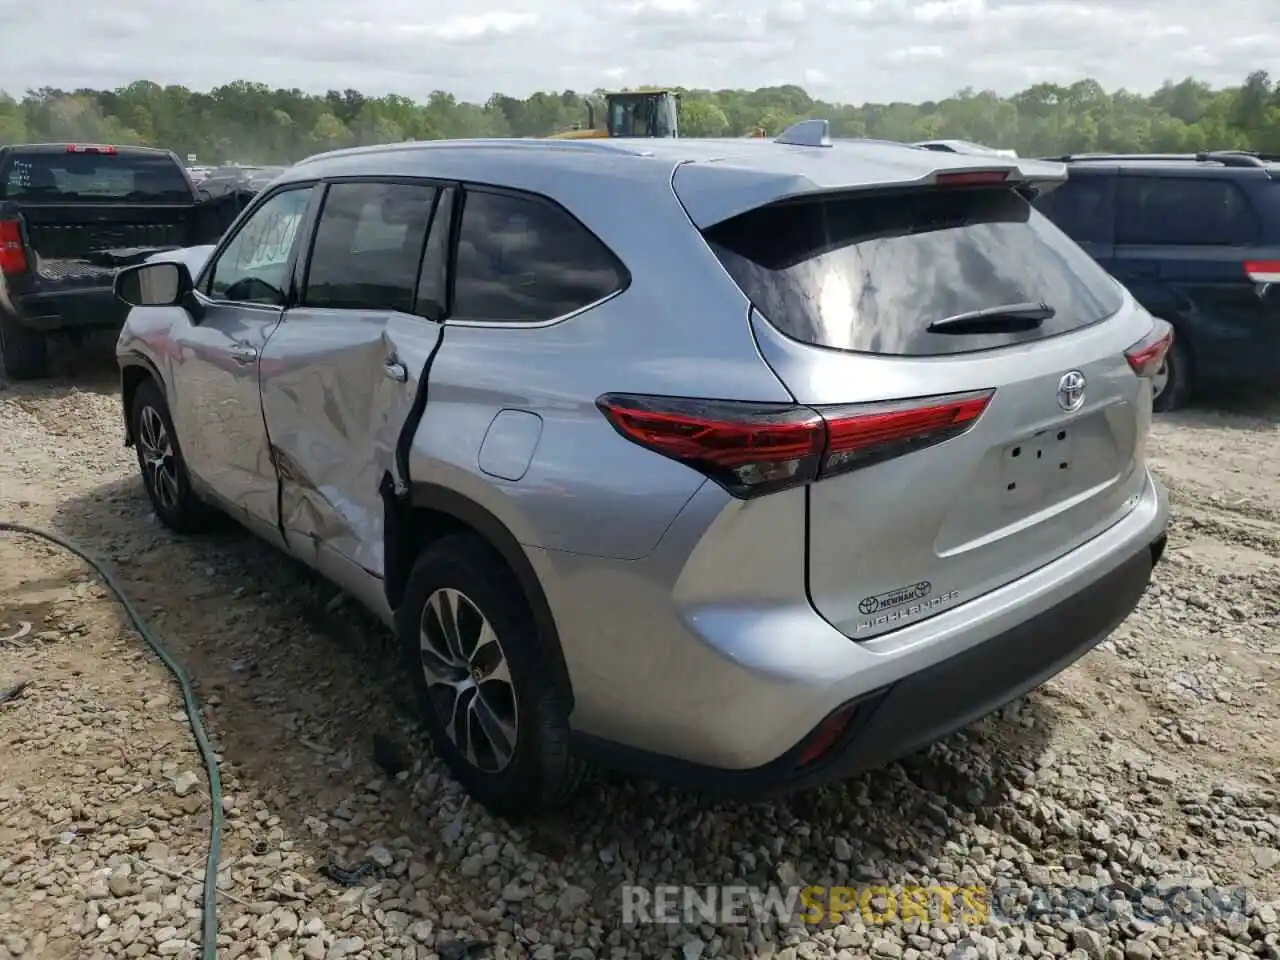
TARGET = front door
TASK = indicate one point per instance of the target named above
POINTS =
(218, 409)
(340, 374)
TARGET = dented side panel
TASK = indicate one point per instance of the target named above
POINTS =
(337, 386)
(213, 398)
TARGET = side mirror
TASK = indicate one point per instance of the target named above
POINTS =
(153, 285)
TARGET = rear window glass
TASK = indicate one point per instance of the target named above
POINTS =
(90, 178)
(870, 273)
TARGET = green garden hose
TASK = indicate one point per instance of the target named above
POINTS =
(209, 920)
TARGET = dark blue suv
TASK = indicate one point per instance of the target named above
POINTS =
(1196, 239)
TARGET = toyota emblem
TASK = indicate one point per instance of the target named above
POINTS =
(1071, 391)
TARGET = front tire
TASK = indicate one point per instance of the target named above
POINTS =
(25, 352)
(494, 712)
(164, 473)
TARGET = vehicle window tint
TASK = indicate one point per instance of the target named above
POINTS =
(870, 273)
(368, 246)
(254, 266)
(433, 283)
(1184, 211)
(1083, 208)
(95, 178)
(521, 259)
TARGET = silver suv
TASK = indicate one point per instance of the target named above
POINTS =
(740, 464)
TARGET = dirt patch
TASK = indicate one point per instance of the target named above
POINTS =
(1153, 759)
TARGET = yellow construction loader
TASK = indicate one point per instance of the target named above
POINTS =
(641, 113)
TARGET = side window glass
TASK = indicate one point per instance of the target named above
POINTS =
(1082, 209)
(433, 284)
(1184, 211)
(525, 260)
(368, 246)
(254, 266)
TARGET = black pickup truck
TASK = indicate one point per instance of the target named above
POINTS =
(71, 215)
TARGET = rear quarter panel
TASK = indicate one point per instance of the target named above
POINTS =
(1205, 294)
(680, 328)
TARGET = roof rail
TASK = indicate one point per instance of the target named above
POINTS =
(1069, 157)
(1233, 158)
(806, 133)
(631, 146)
(1228, 158)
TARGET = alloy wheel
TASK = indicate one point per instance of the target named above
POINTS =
(155, 449)
(468, 680)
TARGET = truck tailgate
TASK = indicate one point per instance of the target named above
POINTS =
(73, 241)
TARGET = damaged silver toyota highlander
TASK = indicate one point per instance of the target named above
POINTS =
(740, 464)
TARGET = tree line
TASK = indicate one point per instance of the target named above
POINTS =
(249, 122)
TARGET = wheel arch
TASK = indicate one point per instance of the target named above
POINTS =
(1182, 339)
(135, 369)
(1183, 352)
(429, 511)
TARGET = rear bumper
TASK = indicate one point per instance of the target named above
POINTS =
(780, 675)
(49, 311)
(926, 706)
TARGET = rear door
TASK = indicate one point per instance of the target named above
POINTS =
(969, 456)
(340, 374)
(1183, 243)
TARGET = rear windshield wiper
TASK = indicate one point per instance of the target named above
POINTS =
(1010, 318)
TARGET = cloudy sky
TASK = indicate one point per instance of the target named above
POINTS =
(843, 50)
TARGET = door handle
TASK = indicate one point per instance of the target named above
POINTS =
(396, 370)
(244, 354)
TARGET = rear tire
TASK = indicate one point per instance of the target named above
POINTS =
(1172, 387)
(25, 352)
(164, 472)
(488, 696)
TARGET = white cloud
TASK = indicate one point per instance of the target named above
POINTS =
(943, 11)
(789, 11)
(916, 54)
(496, 22)
(689, 7)
(846, 50)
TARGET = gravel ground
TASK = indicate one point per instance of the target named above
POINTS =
(1145, 769)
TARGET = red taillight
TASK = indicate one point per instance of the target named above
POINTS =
(13, 255)
(752, 449)
(747, 448)
(1146, 356)
(971, 178)
(864, 434)
(90, 148)
(1263, 271)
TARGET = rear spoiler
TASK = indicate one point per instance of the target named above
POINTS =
(809, 163)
